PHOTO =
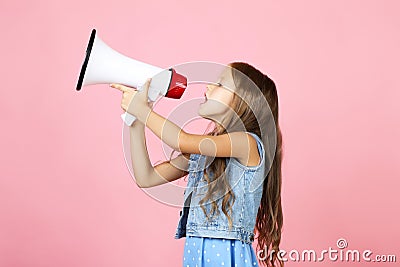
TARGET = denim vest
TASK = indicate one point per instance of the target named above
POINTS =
(246, 183)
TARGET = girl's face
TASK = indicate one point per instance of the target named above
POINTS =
(217, 97)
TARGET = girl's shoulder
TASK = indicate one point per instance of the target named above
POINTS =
(260, 150)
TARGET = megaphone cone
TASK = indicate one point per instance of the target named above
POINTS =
(102, 65)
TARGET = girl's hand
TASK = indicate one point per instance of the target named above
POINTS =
(134, 100)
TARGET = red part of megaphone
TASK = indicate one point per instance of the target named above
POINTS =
(177, 85)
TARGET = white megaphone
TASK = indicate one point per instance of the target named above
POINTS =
(102, 64)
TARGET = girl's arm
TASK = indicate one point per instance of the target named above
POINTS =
(145, 174)
(240, 145)
(236, 144)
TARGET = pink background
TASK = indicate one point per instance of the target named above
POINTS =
(66, 194)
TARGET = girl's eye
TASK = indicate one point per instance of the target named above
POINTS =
(219, 84)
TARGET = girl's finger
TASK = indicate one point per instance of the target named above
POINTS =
(119, 87)
(147, 83)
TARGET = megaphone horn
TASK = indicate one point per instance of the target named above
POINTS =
(102, 64)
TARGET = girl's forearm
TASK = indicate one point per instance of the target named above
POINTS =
(166, 130)
(142, 167)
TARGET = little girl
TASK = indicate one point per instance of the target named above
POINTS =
(228, 169)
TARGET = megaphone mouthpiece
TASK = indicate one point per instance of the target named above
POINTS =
(177, 85)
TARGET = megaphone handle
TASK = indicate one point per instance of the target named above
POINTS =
(128, 118)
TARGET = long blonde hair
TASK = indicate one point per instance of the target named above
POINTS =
(269, 219)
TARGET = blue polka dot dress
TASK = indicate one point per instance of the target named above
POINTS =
(206, 251)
